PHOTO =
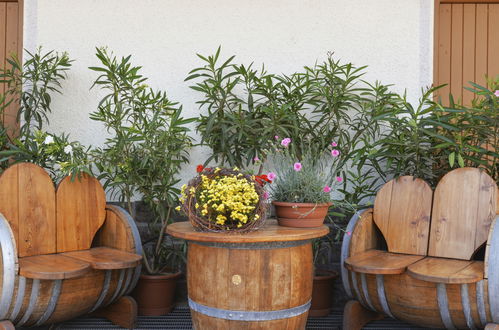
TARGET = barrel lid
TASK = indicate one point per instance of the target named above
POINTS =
(270, 232)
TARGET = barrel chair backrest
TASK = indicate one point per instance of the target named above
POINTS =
(402, 212)
(81, 211)
(464, 206)
(44, 221)
(27, 201)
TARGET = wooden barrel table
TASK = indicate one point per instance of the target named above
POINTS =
(257, 280)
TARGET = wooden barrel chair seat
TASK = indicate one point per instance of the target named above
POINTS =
(380, 262)
(427, 275)
(65, 252)
(449, 271)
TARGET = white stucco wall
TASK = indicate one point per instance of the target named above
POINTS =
(393, 37)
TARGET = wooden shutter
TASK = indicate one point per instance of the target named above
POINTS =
(466, 45)
(11, 31)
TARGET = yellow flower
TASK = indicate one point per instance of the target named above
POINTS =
(177, 208)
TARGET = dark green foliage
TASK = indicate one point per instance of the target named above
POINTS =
(148, 144)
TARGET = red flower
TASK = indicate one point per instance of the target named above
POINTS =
(261, 178)
(199, 168)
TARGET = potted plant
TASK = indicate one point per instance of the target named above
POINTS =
(301, 191)
(222, 200)
(322, 297)
(148, 144)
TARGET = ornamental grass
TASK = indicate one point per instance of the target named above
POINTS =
(223, 200)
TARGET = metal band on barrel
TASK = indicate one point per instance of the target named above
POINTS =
(136, 240)
(480, 302)
(248, 315)
(363, 281)
(443, 305)
(465, 301)
(253, 246)
(493, 271)
(35, 289)
(380, 284)
(21, 286)
(105, 289)
(54, 298)
(9, 261)
(345, 252)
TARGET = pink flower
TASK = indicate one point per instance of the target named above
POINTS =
(339, 179)
(276, 137)
(271, 176)
(266, 195)
(285, 142)
(297, 167)
(256, 159)
(335, 152)
(349, 233)
(327, 189)
(496, 93)
(334, 144)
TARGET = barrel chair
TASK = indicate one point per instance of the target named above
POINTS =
(426, 258)
(64, 252)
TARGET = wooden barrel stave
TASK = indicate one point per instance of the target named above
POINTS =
(39, 302)
(255, 279)
(417, 301)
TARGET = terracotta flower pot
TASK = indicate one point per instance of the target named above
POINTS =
(155, 294)
(302, 215)
(322, 292)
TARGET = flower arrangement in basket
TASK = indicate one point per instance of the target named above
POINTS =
(222, 199)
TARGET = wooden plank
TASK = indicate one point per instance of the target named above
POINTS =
(381, 262)
(106, 258)
(444, 50)
(402, 213)
(52, 267)
(450, 271)
(481, 44)
(37, 227)
(456, 67)
(270, 232)
(81, 204)
(493, 49)
(468, 50)
(9, 195)
(463, 208)
(12, 47)
(486, 208)
(469, 1)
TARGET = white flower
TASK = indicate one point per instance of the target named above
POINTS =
(49, 139)
(68, 149)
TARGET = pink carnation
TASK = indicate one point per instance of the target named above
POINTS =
(334, 144)
(327, 189)
(256, 159)
(339, 179)
(276, 137)
(335, 152)
(285, 142)
(496, 93)
(271, 176)
(297, 167)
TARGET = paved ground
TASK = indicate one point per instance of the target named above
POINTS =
(180, 319)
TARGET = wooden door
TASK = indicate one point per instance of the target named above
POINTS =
(466, 45)
(11, 32)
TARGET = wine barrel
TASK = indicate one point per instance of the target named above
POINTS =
(34, 302)
(428, 304)
(257, 280)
